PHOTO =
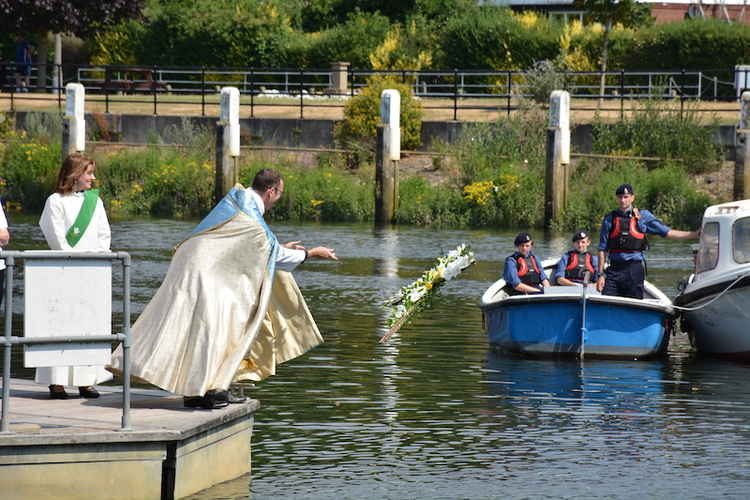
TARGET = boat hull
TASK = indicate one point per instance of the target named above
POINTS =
(720, 325)
(553, 328)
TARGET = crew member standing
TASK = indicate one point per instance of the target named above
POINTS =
(572, 266)
(623, 240)
(523, 272)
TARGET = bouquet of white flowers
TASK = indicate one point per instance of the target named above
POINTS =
(418, 295)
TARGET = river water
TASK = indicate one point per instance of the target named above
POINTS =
(433, 414)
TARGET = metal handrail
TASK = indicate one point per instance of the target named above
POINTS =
(154, 83)
(8, 340)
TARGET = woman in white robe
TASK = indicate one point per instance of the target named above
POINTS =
(65, 230)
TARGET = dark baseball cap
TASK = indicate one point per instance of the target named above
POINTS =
(522, 237)
(624, 189)
(579, 235)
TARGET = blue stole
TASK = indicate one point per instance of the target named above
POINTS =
(238, 200)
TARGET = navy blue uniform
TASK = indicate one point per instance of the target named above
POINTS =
(625, 274)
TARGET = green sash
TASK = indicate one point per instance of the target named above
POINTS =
(75, 233)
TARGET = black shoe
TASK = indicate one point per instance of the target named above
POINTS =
(228, 397)
(192, 401)
(208, 402)
(88, 393)
(57, 394)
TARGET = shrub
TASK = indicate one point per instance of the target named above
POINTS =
(162, 182)
(318, 194)
(28, 170)
(362, 115)
(351, 41)
(215, 33)
(423, 204)
(664, 191)
(541, 79)
(657, 131)
(494, 38)
(483, 147)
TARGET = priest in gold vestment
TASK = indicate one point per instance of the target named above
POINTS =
(228, 308)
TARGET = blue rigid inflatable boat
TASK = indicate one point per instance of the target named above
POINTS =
(553, 323)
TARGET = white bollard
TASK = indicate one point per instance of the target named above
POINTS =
(390, 111)
(559, 117)
(230, 118)
(745, 110)
(75, 98)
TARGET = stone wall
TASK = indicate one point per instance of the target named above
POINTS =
(141, 129)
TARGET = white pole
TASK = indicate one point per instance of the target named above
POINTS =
(57, 73)
(390, 111)
(230, 118)
(75, 100)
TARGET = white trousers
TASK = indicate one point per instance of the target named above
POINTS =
(72, 376)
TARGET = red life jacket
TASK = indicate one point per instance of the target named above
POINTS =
(577, 267)
(625, 236)
(528, 269)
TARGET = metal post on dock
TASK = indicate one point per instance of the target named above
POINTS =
(742, 152)
(558, 156)
(227, 142)
(32, 336)
(9, 265)
(127, 341)
(387, 156)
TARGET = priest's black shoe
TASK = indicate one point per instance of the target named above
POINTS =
(228, 397)
(57, 394)
(88, 392)
(208, 402)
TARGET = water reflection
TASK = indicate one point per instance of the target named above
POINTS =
(432, 415)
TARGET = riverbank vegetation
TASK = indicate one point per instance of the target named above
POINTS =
(493, 175)
(418, 34)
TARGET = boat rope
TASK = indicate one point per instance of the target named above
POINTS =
(715, 298)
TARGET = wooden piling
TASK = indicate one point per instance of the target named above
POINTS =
(386, 182)
(555, 178)
(226, 165)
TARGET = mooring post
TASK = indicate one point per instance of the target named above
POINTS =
(74, 120)
(742, 151)
(558, 156)
(387, 156)
(227, 143)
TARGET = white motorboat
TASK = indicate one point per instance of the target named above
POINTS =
(715, 299)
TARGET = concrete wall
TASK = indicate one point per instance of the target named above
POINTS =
(141, 129)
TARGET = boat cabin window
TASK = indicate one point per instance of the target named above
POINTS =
(708, 251)
(741, 240)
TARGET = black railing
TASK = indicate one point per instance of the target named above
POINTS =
(451, 92)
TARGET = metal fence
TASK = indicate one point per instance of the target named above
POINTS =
(447, 90)
(8, 340)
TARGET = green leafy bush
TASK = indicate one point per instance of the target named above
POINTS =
(362, 115)
(154, 181)
(318, 194)
(660, 132)
(28, 171)
(666, 191)
(491, 37)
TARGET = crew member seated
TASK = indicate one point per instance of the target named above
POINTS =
(572, 267)
(523, 273)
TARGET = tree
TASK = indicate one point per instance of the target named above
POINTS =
(78, 17)
(628, 13)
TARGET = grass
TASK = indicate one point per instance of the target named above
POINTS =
(434, 109)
